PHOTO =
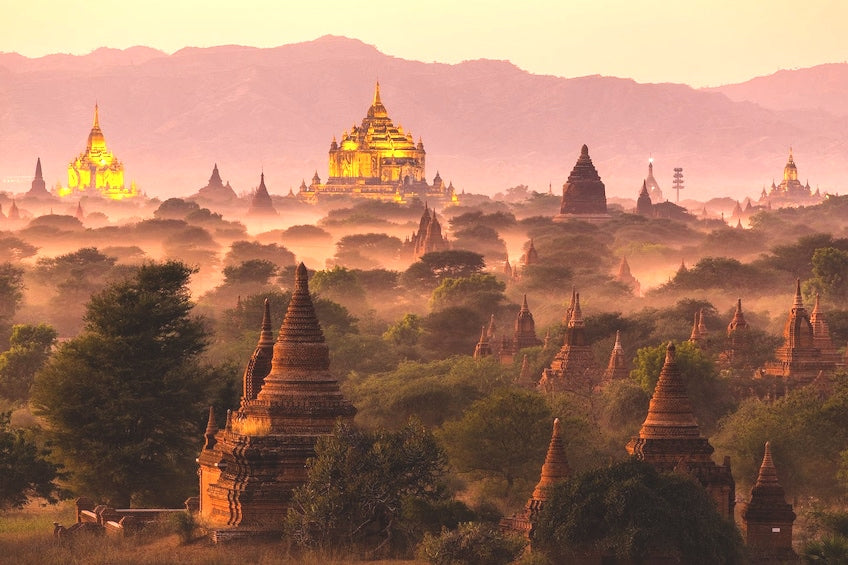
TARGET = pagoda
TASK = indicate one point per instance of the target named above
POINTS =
(583, 194)
(738, 336)
(249, 468)
(821, 334)
(644, 206)
(799, 361)
(429, 236)
(555, 470)
(524, 335)
(531, 256)
(574, 365)
(96, 171)
(378, 160)
(790, 191)
(483, 349)
(625, 277)
(215, 192)
(261, 204)
(38, 189)
(699, 335)
(671, 440)
(617, 368)
(767, 518)
(652, 185)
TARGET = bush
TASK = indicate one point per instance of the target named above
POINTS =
(471, 544)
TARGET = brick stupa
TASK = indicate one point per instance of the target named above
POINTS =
(583, 194)
(767, 518)
(554, 470)
(799, 361)
(483, 349)
(249, 468)
(261, 204)
(738, 338)
(524, 335)
(671, 440)
(617, 368)
(821, 334)
(573, 367)
(625, 277)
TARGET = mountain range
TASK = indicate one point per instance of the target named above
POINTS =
(487, 125)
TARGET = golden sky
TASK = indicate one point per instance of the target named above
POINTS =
(702, 43)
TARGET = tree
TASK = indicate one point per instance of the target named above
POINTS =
(252, 271)
(175, 209)
(29, 348)
(24, 471)
(359, 485)
(339, 284)
(830, 274)
(471, 544)
(405, 332)
(481, 292)
(433, 267)
(14, 249)
(241, 251)
(452, 331)
(124, 401)
(11, 290)
(367, 250)
(505, 434)
(631, 512)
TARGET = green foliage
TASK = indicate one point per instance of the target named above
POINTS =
(471, 544)
(364, 251)
(11, 290)
(480, 292)
(830, 542)
(433, 267)
(452, 331)
(252, 271)
(29, 348)
(241, 251)
(830, 274)
(630, 511)
(405, 332)
(24, 470)
(718, 273)
(431, 392)
(505, 434)
(482, 239)
(795, 424)
(710, 394)
(124, 400)
(339, 284)
(358, 485)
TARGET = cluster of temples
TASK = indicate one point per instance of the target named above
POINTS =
(428, 238)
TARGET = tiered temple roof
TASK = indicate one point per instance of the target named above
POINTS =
(555, 469)
(671, 439)
(617, 368)
(483, 349)
(215, 192)
(261, 204)
(583, 194)
(699, 335)
(644, 206)
(259, 457)
(38, 189)
(574, 366)
(523, 335)
(625, 277)
(821, 334)
(429, 236)
(767, 518)
(799, 361)
(652, 185)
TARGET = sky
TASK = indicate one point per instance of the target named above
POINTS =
(700, 43)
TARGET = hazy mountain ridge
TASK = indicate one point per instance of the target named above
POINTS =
(486, 124)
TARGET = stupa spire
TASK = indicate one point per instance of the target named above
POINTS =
(96, 124)
(377, 94)
(555, 468)
(38, 175)
(576, 314)
(798, 302)
(670, 411)
(211, 430)
(768, 472)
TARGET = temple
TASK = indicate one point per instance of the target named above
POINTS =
(617, 368)
(429, 236)
(555, 469)
(249, 468)
(261, 204)
(821, 334)
(96, 171)
(378, 160)
(767, 518)
(583, 194)
(573, 367)
(625, 277)
(38, 189)
(215, 192)
(798, 361)
(790, 191)
(700, 335)
(738, 338)
(524, 335)
(671, 440)
(483, 349)
(652, 185)
(644, 206)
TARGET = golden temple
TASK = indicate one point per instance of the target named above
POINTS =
(96, 171)
(378, 160)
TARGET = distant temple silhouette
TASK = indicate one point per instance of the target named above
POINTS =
(790, 191)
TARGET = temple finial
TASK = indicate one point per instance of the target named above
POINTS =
(799, 302)
(211, 429)
(524, 306)
(576, 313)
(38, 175)
(377, 100)
(96, 116)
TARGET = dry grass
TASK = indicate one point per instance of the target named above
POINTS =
(26, 538)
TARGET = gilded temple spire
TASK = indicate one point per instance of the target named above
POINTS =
(377, 95)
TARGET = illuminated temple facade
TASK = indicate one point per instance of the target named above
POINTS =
(378, 160)
(790, 191)
(96, 171)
